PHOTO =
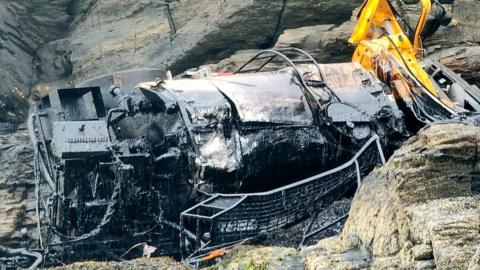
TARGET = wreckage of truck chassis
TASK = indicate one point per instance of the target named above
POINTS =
(192, 164)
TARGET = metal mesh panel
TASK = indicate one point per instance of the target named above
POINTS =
(231, 217)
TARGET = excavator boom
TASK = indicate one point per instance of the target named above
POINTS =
(378, 34)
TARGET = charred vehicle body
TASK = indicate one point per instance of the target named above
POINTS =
(188, 163)
(120, 163)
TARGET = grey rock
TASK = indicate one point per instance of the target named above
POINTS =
(422, 252)
(326, 43)
(475, 261)
(464, 60)
(24, 27)
(198, 31)
(425, 265)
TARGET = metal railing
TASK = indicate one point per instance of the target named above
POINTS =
(227, 218)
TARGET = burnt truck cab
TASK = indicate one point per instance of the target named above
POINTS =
(120, 157)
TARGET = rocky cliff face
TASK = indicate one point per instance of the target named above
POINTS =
(24, 27)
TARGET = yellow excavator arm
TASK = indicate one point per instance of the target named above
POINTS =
(379, 38)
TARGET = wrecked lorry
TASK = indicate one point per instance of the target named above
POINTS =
(192, 164)
(117, 165)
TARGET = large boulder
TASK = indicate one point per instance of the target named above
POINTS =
(464, 60)
(327, 43)
(420, 210)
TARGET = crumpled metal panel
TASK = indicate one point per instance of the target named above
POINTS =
(353, 85)
(266, 97)
(202, 100)
(208, 111)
